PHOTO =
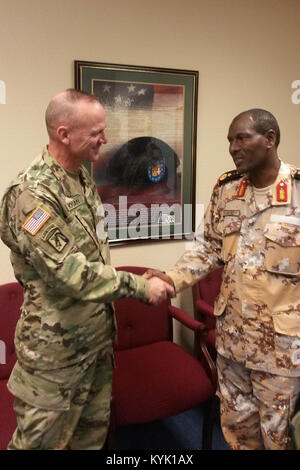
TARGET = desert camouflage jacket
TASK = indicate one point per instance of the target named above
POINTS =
(258, 308)
(52, 221)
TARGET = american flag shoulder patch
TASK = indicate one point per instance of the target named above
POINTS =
(36, 220)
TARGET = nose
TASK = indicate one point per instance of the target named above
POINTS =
(104, 138)
(234, 147)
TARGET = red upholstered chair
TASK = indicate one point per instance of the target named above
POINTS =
(11, 299)
(155, 378)
(205, 292)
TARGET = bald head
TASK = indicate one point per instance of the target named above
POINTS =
(263, 122)
(64, 110)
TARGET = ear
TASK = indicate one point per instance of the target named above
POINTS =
(63, 134)
(271, 138)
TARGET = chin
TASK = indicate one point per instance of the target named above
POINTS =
(94, 158)
(241, 169)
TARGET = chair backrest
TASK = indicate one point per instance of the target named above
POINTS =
(139, 324)
(209, 287)
(11, 300)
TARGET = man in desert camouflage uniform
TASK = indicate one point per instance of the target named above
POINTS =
(252, 228)
(52, 220)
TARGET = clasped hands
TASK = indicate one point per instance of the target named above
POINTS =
(160, 286)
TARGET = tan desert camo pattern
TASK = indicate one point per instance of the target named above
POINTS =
(258, 309)
(256, 407)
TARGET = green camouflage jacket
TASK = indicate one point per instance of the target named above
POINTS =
(52, 221)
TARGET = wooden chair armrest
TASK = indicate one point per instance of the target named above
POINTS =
(205, 312)
(201, 350)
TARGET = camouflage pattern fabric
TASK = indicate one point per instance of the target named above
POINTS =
(71, 413)
(64, 267)
(295, 425)
(53, 223)
(255, 407)
(258, 308)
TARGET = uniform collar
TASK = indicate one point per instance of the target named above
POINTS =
(56, 168)
(61, 174)
(280, 190)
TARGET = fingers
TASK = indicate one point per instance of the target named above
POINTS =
(170, 290)
(151, 273)
(159, 290)
(160, 274)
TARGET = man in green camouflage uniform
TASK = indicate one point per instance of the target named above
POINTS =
(252, 227)
(51, 218)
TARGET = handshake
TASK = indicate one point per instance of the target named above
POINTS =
(160, 286)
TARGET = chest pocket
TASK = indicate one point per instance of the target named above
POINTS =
(282, 248)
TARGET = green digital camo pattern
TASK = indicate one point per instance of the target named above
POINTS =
(258, 308)
(71, 413)
(68, 282)
(255, 407)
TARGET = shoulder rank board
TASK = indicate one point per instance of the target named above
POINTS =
(228, 176)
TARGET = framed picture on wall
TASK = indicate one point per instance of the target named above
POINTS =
(145, 175)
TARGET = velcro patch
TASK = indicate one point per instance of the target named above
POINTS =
(36, 220)
(58, 240)
(231, 213)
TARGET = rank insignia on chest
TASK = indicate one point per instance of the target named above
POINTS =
(281, 191)
(242, 187)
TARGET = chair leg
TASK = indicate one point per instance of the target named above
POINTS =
(209, 419)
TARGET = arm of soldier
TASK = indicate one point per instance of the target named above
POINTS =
(150, 273)
(159, 290)
(203, 257)
(50, 249)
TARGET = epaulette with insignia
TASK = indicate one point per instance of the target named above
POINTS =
(297, 175)
(229, 176)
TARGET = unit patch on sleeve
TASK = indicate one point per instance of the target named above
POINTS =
(36, 220)
(58, 240)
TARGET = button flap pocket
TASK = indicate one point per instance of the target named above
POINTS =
(283, 248)
(283, 234)
(287, 323)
